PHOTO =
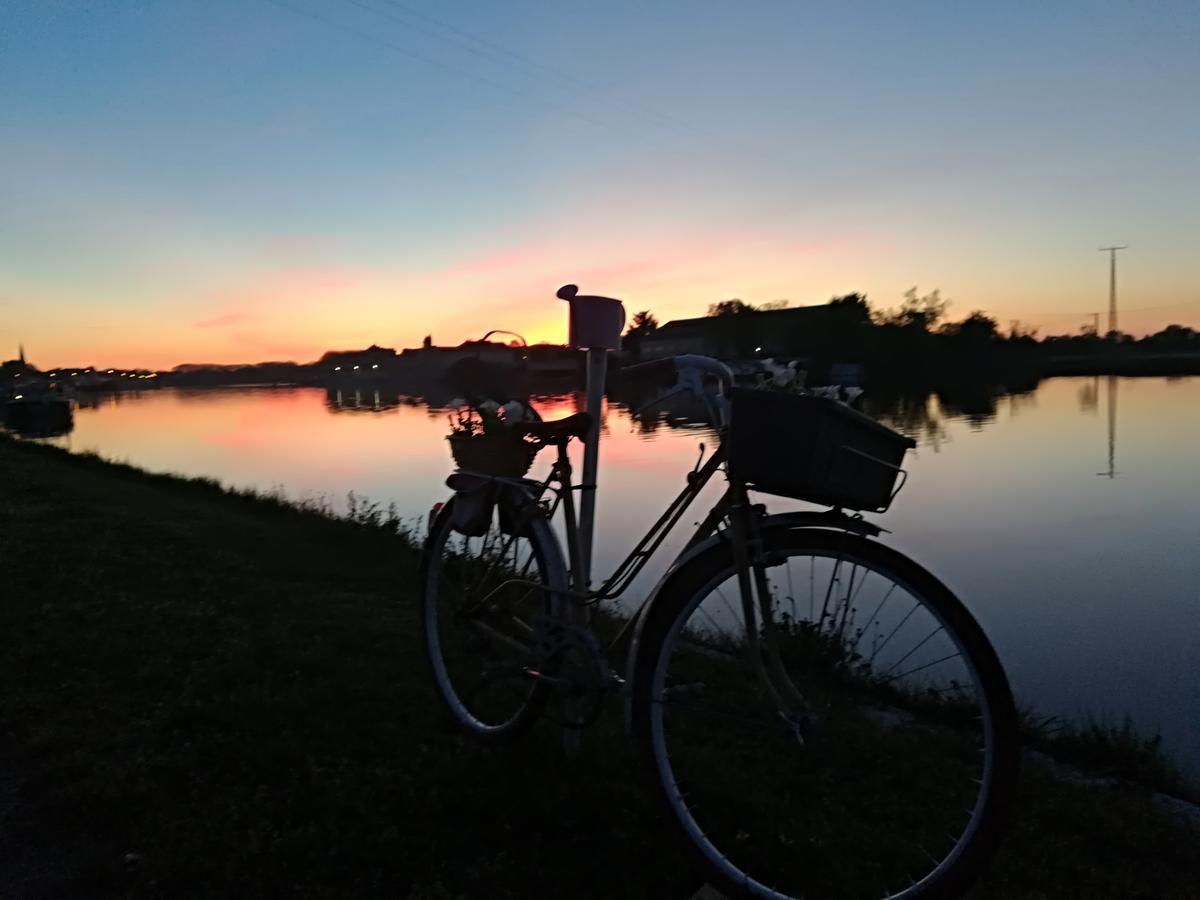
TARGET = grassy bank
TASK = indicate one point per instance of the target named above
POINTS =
(213, 695)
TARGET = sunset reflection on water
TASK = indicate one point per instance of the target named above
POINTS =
(1088, 584)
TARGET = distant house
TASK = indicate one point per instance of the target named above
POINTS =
(778, 332)
(349, 360)
(552, 360)
(432, 358)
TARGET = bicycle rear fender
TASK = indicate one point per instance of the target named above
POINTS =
(832, 519)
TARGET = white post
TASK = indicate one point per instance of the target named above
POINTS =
(597, 369)
(595, 324)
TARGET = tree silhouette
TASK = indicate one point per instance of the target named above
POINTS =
(731, 308)
(642, 324)
(917, 313)
(851, 309)
(978, 326)
(1174, 337)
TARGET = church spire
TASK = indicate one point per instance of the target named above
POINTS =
(21, 353)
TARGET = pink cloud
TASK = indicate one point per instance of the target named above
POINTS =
(514, 257)
(221, 321)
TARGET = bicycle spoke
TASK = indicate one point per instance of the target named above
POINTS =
(914, 649)
(887, 640)
(833, 579)
(847, 605)
(732, 615)
(812, 566)
(878, 608)
(708, 616)
(791, 592)
(925, 666)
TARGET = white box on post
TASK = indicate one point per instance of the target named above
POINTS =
(595, 322)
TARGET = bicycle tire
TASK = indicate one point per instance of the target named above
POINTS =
(809, 778)
(463, 701)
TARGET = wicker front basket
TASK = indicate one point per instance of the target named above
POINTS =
(492, 454)
(814, 449)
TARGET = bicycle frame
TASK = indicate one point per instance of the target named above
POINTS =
(559, 483)
(733, 507)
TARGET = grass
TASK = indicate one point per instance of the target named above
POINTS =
(211, 694)
(1103, 750)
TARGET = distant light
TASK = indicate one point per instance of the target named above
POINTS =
(109, 372)
(758, 349)
(337, 368)
(18, 396)
(376, 366)
(356, 368)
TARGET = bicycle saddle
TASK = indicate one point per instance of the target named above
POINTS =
(577, 426)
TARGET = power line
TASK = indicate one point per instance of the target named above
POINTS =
(631, 129)
(432, 61)
(1081, 314)
(500, 51)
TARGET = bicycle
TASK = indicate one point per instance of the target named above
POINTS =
(820, 715)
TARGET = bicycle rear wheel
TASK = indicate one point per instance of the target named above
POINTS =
(869, 751)
(483, 601)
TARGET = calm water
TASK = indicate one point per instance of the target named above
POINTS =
(1066, 518)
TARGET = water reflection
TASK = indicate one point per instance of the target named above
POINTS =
(1002, 503)
(1112, 426)
(338, 400)
(1089, 395)
(924, 416)
(920, 416)
(383, 398)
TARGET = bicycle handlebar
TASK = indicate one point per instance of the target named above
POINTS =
(672, 365)
(654, 369)
(689, 370)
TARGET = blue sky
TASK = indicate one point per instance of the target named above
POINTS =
(221, 180)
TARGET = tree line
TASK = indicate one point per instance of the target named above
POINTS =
(917, 338)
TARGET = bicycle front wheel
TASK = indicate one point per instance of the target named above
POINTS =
(849, 733)
(484, 599)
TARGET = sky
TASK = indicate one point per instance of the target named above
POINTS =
(244, 180)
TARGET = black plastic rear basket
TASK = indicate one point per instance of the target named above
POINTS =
(814, 449)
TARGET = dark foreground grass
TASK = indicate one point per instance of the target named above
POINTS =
(211, 695)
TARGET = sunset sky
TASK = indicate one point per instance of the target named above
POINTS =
(242, 180)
